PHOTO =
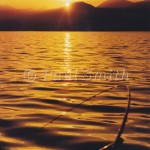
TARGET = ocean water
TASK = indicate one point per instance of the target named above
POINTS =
(45, 74)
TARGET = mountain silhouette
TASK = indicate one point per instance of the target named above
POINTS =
(115, 4)
(145, 4)
(81, 6)
(80, 17)
(142, 5)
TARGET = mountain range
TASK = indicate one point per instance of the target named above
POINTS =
(124, 4)
(116, 4)
(112, 15)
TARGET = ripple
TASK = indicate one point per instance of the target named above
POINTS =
(25, 107)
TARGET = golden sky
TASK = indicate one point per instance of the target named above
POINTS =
(45, 4)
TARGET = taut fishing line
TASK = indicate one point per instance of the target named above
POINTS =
(118, 141)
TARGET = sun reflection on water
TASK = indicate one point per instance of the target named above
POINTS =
(67, 52)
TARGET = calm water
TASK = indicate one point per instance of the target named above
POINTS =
(27, 104)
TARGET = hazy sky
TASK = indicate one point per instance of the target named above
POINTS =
(45, 4)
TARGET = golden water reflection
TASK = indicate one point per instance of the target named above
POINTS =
(26, 106)
(67, 52)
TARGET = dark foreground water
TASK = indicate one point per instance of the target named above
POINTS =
(43, 74)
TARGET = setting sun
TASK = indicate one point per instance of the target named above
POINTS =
(67, 4)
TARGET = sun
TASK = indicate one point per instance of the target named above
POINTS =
(67, 4)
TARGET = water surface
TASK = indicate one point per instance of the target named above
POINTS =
(27, 104)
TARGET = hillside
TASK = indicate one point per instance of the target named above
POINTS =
(80, 17)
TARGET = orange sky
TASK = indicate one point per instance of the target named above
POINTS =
(45, 4)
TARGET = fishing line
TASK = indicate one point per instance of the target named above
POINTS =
(118, 141)
(78, 105)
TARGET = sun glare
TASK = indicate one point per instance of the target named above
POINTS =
(67, 4)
